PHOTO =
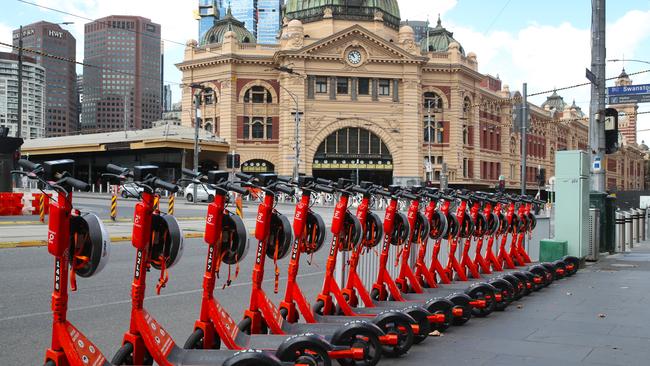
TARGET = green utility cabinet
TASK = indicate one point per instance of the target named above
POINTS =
(572, 201)
(551, 250)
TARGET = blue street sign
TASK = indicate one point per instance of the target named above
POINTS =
(628, 90)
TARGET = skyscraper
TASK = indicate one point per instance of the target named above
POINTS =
(261, 17)
(33, 124)
(61, 116)
(122, 84)
(207, 15)
(167, 98)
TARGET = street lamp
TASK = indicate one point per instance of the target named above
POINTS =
(197, 121)
(624, 60)
(296, 163)
(20, 77)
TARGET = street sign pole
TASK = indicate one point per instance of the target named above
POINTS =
(597, 105)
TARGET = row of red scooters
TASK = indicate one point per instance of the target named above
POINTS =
(347, 323)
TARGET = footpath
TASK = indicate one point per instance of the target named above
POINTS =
(597, 317)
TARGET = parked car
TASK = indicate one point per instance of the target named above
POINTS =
(130, 190)
(203, 193)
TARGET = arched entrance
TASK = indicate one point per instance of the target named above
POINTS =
(257, 166)
(354, 153)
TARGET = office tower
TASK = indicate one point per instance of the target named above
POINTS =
(33, 118)
(167, 98)
(61, 116)
(122, 84)
(261, 17)
(208, 14)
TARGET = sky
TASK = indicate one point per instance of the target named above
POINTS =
(544, 43)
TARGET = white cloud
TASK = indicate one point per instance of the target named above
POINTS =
(5, 37)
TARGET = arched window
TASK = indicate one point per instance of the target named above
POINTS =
(258, 94)
(258, 128)
(432, 100)
(434, 133)
(208, 127)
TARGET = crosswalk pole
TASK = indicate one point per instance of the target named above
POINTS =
(114, 204)
(170, 208)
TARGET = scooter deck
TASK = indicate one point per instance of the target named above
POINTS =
(325, 329)
(180, 356)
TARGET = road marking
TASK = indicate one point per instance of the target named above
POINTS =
(114, 239)
(180, 293)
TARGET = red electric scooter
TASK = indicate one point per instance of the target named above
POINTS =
(159, 243)
(80, 246)
(309, 230)
(354, 342)
(225, 235)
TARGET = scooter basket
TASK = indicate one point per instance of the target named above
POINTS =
(454, 225)
(492, 224)
(166, 241)
(439, 226)
(480, 225)
(90, 241)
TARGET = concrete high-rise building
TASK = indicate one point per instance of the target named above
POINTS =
(61, 116)
(261, 17)
(167, 98)
(122, 84)
(33, 118)
(80, 100)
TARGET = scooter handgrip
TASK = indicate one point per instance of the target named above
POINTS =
(190, 173)
(28, 165)
(322, 188)
(115, 169)
(77, 184)
(241, 190)
(159, 183)
(325, 182)
(409, 196)
(284, 179)
(358, 189)
(382, 192)
(243, 176)
(285, 189)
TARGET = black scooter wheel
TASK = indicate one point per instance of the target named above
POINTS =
(124, 355)
(420, 315)
(318, 306)
(572, 263)
(195, 340)
(364, 339)
(404, 332)
(517, 284)
(374, 294)
(245, 326)
(462, 306)
(551, 271)
(482, 291)
(506, 290)
(441, 306)
(252, 358)
(529, 277)
(304, 350)
(544, 273)
(560, 269)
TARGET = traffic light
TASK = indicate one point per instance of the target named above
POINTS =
(233, 161)
(611, 131)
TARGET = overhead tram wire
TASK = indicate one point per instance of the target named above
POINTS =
(49, 55)
(106, 23)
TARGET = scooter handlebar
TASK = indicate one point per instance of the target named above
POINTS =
(238, 189)
(284, 179)
(76, 183)
(159, 183)
(28, 165)
(191, 173)
(325, 182)
(116, 169)
(284, 189)
(381, 192)
(323, 188)
(244, 177)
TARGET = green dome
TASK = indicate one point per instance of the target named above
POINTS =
(439, 40)
(312, 10)
(224, 25)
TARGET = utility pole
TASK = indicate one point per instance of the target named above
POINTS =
(197, 122)
(430, 164)
(597, 105)
(20, 83)
(524, 125)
